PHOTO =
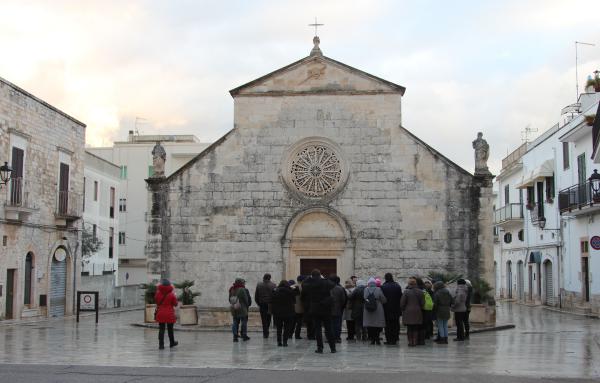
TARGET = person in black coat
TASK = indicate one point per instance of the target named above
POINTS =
(393, 294)
(282, 307)
(317, 291)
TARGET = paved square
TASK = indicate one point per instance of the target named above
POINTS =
(544, 344)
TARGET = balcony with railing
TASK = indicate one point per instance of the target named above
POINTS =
(69, 206)
(18, 205)
(536, 212)
(578, 199)
(512, 212)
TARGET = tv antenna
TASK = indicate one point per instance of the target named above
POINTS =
(526, 132)
(576, 67)
(139, 120)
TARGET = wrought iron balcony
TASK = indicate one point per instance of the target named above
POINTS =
(68, 206)
(577, 197)
(536, 212)
(510, 212)
(18, 205)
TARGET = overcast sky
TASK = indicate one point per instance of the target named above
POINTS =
(490, 66)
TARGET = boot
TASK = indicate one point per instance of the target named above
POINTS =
(173, 344)
(445, 340)
(332, 347)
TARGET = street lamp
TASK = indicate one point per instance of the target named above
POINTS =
(5, 171)
(595, 185)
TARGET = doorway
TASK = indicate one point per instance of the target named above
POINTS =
(10, 293)
(326, 266)
(530, 268)
(585, 274)
(520, 281)
(509, 280)
(58, 287)
(548, 283)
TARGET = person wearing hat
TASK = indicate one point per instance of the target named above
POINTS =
(239, 300)
(373, 314)
(165, 312)
(459, 307)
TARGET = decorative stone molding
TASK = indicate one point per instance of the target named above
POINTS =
(315, 170)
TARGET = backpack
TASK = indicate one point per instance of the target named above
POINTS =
(371, 303)
(428, 306)
(234, 302)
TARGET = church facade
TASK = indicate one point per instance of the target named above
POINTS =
(317, 172)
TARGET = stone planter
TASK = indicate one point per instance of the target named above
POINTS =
(483, 314)
(149, 313)
(188, 315)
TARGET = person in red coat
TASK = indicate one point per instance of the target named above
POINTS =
(165, 316)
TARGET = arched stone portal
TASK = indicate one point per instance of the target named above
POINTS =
(318, 238)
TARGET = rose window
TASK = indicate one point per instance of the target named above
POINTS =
(315, 170)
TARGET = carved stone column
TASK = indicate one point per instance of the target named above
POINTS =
(485, 201)
(156, 265)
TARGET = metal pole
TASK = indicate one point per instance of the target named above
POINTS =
(576, 68)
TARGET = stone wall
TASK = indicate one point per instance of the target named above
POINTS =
(111, 296)
(409, 210)
(48, 134)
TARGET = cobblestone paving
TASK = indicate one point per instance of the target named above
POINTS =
(544, 343)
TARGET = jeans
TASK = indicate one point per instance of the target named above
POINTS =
(392, 330)
(285, 328)
(336, 326)
(236, 324)
(323, 321)
(161, 333)
(442, 325)
(265, 318)
(459, 318)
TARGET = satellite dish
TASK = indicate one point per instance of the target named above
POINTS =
(60, 254)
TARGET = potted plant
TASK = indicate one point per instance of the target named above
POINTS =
(594, 82)
(530, 206)
(483, 308)
(188, 312)
(149, 292)
(589, 120)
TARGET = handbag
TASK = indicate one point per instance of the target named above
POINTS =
(157, 306)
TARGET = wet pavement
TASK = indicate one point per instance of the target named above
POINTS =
(544, 344)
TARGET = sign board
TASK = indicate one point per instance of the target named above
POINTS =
(595, 242)
(87, 301)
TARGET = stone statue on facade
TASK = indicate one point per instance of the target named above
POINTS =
(159, 156)
(482, 153)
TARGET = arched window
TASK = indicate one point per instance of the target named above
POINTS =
(28, 278)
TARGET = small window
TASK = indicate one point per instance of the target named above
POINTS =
(521, 235)
(111, 234)
(506, 195)
(4, 240)
(123, 172)
(150, 171)
(121, 238)
(565, 147)
(507, 238)
(584, 247)
(550, 189)
(123, 204)
(95, 190)
(111, 209)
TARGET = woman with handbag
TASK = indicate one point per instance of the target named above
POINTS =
(166, 301)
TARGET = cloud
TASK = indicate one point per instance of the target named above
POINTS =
(491, 67)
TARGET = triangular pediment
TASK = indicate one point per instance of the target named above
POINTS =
(317, 74)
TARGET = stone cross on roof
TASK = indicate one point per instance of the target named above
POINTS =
(316, 41)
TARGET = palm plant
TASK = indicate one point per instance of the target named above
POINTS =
(149, 292)
(481, 291)
(187, 296)
(444, 276)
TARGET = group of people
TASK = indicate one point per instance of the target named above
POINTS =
(368, 307)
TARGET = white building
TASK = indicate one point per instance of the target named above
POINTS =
(546, 217)
(101, 220)
(135, 161)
